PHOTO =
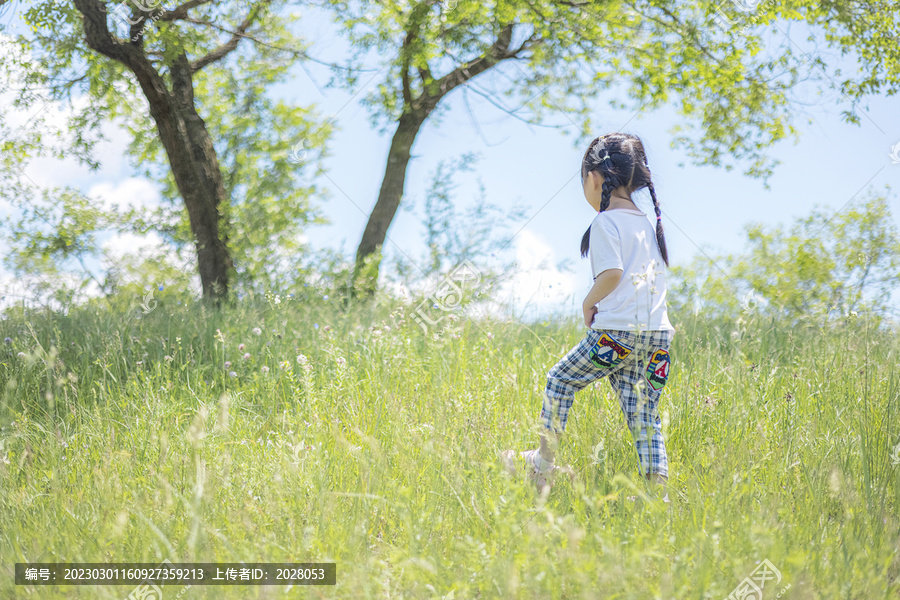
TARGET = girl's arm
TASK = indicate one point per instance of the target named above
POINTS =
(605, 283)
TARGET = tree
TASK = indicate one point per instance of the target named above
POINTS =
(561, 52)
(825, 265)
(157, 70)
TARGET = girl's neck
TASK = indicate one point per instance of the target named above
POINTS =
(621, 202)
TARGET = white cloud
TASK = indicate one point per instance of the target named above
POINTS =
(538, 286)
(124, 244)
(133, 192)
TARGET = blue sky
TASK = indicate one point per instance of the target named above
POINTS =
(535, 167)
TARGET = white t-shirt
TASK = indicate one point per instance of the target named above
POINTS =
(623, 238)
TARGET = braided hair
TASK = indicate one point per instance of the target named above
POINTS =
(621, 159)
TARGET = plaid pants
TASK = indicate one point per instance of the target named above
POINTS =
(637, 365)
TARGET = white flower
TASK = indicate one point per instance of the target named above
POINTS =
(895, 456)
(302, 360)
(341, 361)
(256, 331)
(232, 374)
(227, 364)
(240, 346)
(246, 356)
(264, 369)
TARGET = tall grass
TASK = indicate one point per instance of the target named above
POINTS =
(125, 439)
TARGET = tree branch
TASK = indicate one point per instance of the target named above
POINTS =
(180, 12)
(231, 44)
(498, 51)
(101, 40)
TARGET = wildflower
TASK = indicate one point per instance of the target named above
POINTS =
(490, 335)
(264, 369)
(160, 288)
(227, 364)
(232, 374)
(284, 364)
(301, 360)
(21, 355)
(387, 327)
(327, 328)
(7, 340)
(240, 347)
(316, 325)
(246, 355)
(341, 361)
(895, 455)
(167, 358)
(256, 331)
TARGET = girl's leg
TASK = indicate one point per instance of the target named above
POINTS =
(639, 387)
(549, 444)
(571, 374)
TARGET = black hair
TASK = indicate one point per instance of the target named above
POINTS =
(621, 159)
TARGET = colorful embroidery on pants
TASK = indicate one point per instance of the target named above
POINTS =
(608, 352)
(658, 369)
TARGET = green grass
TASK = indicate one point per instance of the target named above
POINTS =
(780, 444)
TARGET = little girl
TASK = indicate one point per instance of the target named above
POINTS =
(629, 332)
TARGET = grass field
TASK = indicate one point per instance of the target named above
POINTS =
(372, 444)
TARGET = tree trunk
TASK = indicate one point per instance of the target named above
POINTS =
(195, 168)
(183, 134)
(388, 199)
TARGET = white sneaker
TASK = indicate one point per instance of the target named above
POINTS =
(538, 470)
(542, 480)
(541, 477)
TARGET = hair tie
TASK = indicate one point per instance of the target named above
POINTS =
(659, 217)
(595, 153)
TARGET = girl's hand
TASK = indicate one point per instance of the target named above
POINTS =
(589, 311)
